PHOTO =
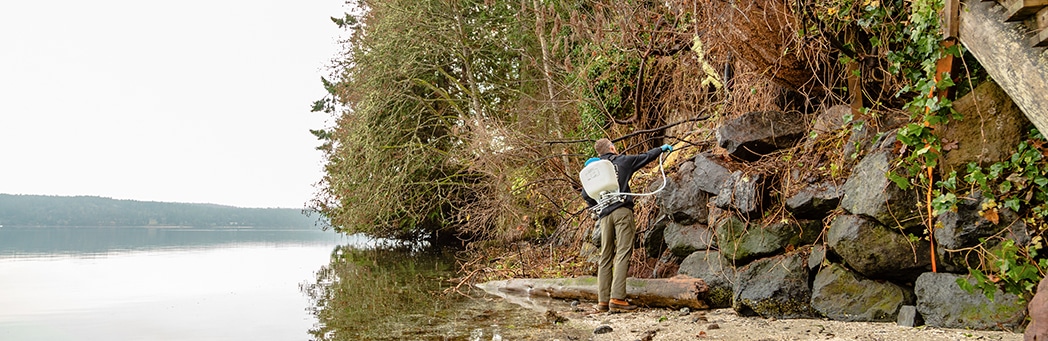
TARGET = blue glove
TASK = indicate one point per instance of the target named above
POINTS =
(667, 148)
(591, 160)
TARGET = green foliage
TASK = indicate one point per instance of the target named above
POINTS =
(919, 37)
(1011, 268)
(1016, 184)
(444, 109)
(416, 96)
(907, 30)
(606, 84)
(910, 33)
(880, 20)
(1019, 182)
(917, 62)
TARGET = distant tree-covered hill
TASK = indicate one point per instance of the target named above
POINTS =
(40, 210)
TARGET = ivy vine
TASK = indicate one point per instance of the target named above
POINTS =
(908, 34)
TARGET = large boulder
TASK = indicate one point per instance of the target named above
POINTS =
(742, 242)
(742, 193)
(877, 251)
(963, 228)
(715, 271)
(682, 200)
(682, 240)
(654, 236)
(709, 172)
(815, 200)
(992, 126)
(754, 134)
(868, 192)
(775, 287)
(842, 295)
(943, 303)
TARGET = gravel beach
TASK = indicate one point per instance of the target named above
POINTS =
(724, 324)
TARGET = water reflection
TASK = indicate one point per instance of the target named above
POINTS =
(396, 293)
(374, 293)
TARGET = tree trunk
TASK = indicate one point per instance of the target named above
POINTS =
(677, 292)
(540, 32)
(477, 116)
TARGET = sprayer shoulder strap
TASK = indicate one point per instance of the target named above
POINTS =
(612, 160)
(618, 170)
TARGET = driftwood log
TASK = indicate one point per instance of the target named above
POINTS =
(676, 292)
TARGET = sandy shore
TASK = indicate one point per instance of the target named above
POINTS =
(724, 324)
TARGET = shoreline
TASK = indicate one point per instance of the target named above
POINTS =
(652, 324)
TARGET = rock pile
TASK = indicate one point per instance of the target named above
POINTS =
(848, 251)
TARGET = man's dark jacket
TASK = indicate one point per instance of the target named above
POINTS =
(625, 166)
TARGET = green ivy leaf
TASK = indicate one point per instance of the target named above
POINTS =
(945, 81)
(944, 203)
(1005, 186)
(965, 285)
(1013, 204)
(899, 180)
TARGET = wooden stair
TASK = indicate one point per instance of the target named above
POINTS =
(1033, 14)
(1008, 41)
(1040, 38)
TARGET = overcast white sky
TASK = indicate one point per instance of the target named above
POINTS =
(184, 101)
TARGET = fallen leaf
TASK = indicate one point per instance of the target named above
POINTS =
(991, 215)
(948, 146)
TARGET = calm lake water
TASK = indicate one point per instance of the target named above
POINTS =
(92, 283)
(158, 284)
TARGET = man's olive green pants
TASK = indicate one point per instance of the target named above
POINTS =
(616, 240)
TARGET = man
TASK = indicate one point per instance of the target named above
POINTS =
(617, 228)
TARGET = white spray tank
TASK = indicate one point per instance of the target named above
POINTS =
(599, 177)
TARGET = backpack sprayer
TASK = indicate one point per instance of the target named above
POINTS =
(600, 180)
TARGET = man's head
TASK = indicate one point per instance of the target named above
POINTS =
(604, 146)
